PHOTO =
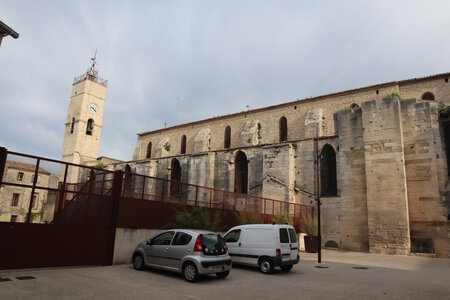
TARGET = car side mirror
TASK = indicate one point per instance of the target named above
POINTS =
(149, 242)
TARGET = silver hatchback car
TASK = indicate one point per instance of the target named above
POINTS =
(190, 252)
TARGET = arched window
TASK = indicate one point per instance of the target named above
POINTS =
(428, 96)
(283, 129)
(328, 181)
(149, 150)
(183, 144)
(72, 125)
(175, 177)
(128, 178)
(240, 173)
(227, 138)
(90, 127)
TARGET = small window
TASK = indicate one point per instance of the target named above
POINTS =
(15, 200)
(331, 244)
(89, 127)
(163, 239)
(72, 125)
(354, 105)
(227, 138)
(292, 235)
(428, 96)
(181, 238)
(34, 202)
(422, 245)
(20, 176)
(232, 236)
(283, 129)
(183, 144)
(284, 237)
(13, 219)
(149, 150)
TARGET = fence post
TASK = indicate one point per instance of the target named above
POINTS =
(163, 190)
(223, 200)
(196, 195)
(115, 199)
(36, 174)
(3, 155)
(210, 198)
(143, 188)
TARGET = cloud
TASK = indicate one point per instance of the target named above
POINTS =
(180, 61)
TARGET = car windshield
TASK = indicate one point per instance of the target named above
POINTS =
(213, 244)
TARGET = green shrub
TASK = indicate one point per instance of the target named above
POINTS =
(283, 217)
(167, 146)
(252, 219)
(443, 110)
(310, 226)
(196, 218)
(393, 95)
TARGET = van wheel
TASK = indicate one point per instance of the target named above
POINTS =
(190, 272)
(138, 262)
(266, 266)
(223, 274)
(286, 268)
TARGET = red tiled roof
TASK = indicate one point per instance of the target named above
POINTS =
(299, 101)
(25, 167)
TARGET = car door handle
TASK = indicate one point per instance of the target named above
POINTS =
(166, 249)
(240, 244)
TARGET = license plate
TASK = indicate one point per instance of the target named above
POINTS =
(285, 256)
(217, 268)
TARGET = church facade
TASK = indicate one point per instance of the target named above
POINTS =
(383, 159)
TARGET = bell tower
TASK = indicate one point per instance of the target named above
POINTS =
(84, 119)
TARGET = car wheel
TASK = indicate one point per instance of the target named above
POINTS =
(266, 266)
(138, 262)
(223, 274)
(190, 272)
(286, 268)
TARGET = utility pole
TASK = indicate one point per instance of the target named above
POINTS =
(317, 163)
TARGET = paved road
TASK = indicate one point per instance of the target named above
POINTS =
(386, 277)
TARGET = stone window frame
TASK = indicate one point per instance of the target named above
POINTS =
(428, 96)
(15, 199)
(183, 144)
(149, 150)
(20, 176)
(90, 127)
(227, 137)
(283, 126)
(72, 125)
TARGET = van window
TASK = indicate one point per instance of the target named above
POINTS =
(232, 236)
(292, 235)
(284, 238)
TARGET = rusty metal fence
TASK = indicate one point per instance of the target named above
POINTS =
(46, 200)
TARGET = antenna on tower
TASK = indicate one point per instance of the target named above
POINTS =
(92, 72)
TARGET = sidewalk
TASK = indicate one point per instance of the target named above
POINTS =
(400, 262)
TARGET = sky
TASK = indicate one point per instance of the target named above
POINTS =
(173, 62)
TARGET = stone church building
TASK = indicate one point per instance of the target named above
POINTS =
(383, 158)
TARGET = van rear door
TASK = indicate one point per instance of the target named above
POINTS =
(294, 243)
(285, 244)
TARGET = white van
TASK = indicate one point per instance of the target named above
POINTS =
(263, 245)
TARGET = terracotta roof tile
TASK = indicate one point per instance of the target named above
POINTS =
(25, 167)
